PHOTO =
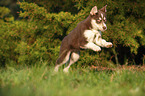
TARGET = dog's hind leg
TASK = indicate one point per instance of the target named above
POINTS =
(62, 59)
(73, 58)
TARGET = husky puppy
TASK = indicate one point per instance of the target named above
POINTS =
(86, 35)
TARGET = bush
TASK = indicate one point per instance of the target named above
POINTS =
(38, 34)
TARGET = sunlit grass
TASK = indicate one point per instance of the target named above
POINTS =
(41, 81)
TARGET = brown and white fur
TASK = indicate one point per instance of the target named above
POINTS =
(87, 35)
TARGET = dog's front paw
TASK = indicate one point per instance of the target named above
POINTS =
(82, 47)
(96, 48)
(108, 45)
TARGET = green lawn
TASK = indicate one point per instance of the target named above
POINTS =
(40, 81)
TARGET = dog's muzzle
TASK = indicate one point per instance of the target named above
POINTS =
(104, 28)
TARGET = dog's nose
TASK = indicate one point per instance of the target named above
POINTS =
(104, 27)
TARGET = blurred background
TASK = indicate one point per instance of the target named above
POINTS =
(31, 31)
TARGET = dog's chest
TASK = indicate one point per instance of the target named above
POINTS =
(90, 35)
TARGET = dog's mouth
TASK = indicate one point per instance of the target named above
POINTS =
(102, 29)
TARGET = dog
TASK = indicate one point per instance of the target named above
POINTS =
(86, 35)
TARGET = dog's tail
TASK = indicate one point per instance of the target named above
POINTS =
(62, 56)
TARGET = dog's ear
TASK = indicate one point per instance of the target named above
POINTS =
(94, 10)
(104, 9)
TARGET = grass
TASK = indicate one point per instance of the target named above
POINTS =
(41, 81)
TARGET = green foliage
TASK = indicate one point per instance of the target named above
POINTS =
(5, 15)
(4, 11)
(32, 39)
(38, 34)
(56, 5)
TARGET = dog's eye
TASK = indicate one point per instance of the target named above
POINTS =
(105, 20)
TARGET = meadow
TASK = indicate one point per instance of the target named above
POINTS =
(80, 81)
(31, 31)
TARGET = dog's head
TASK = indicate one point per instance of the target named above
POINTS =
(98, 18)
